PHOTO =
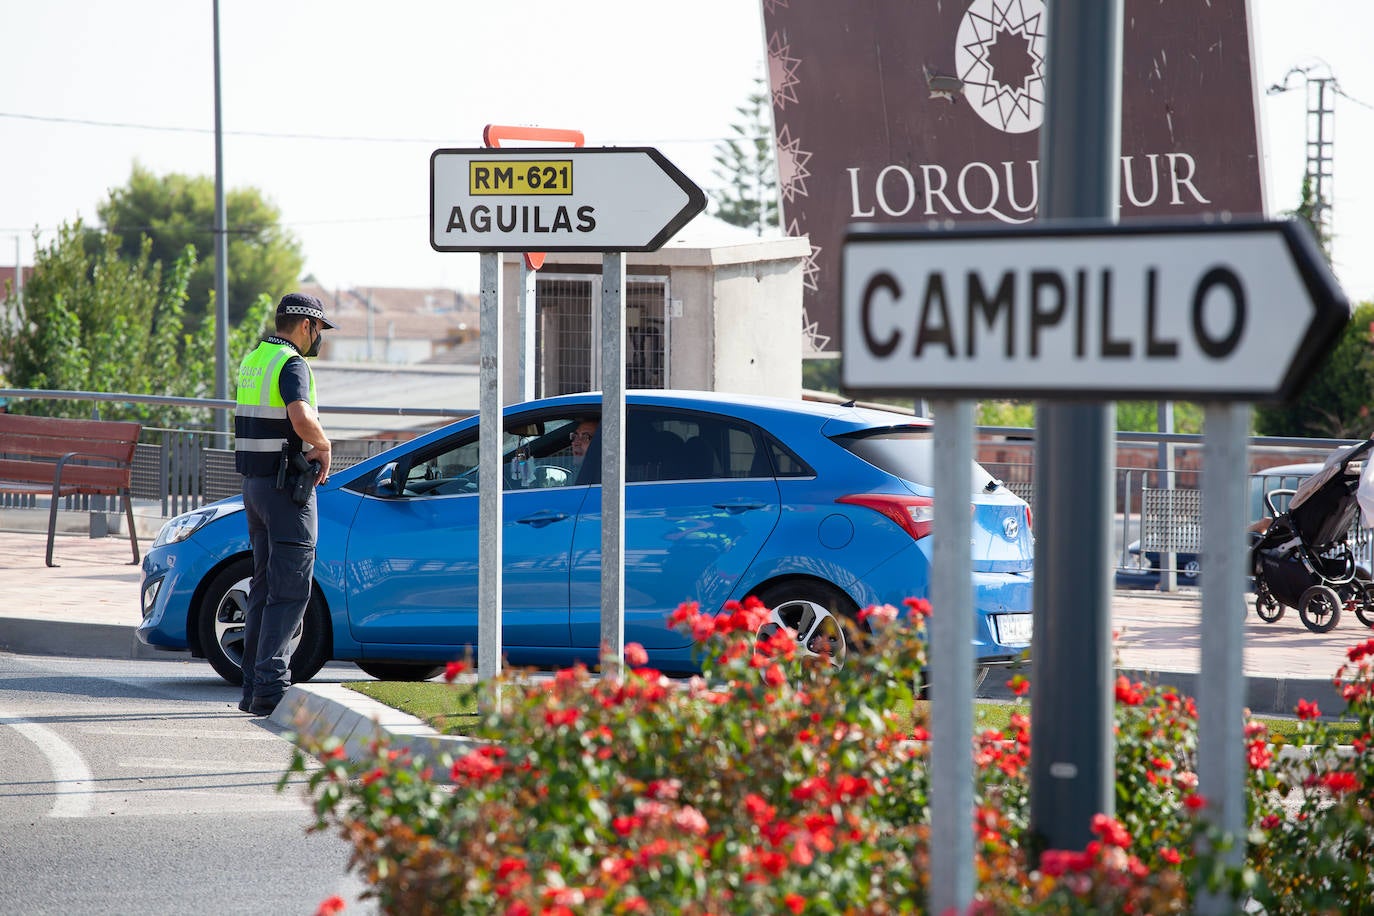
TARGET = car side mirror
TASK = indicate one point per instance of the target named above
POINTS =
(384, 481)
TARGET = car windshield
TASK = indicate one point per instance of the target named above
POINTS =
(905, 452)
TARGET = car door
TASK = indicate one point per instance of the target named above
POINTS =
(700, 501)
(412, 568)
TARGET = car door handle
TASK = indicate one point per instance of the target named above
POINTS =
(542, 518)
(740, 505)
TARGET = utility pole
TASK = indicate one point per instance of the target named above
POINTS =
(1321, 140)
(223, 420)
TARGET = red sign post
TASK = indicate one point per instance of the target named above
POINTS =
(494, 134)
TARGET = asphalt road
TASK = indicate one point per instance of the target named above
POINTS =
(137, 787)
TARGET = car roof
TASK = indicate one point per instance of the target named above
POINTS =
(1302, 469)
(839, 418)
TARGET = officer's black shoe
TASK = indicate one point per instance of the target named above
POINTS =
(264, 707)
(245, 706)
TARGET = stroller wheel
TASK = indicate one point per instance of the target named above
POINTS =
(1364, 603)
(1320, 608)
(1267, 607)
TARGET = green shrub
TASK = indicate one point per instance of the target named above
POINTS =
(776, 784)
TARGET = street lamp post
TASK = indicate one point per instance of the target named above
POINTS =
(221, 263)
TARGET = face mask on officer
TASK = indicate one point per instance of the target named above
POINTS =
(315, 337)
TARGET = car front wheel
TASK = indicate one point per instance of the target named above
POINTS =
(220, 625)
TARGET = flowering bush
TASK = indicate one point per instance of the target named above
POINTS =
(776, 784)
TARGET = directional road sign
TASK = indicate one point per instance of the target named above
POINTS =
(1206, 311)
(557, 199)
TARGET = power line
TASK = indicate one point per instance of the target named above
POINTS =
(287, 135)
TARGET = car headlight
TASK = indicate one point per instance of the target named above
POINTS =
(188, 523)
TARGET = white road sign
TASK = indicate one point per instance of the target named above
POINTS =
(1239, 310)
(558, 199)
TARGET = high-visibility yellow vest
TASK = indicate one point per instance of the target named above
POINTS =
(261, 424)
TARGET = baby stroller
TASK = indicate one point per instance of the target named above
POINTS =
(1303, 559)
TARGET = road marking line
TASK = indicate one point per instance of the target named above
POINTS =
(72, 779)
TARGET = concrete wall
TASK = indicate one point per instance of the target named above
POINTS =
(740, 329)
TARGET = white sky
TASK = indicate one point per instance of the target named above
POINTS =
(422, 74)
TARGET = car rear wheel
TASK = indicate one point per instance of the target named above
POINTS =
(812, 610)
(1320, 608)
(400, 671)
(220, 626)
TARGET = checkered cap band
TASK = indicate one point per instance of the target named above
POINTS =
(301, 304)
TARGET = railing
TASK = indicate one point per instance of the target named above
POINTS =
(182, 469)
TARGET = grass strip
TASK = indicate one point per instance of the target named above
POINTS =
(451, 709)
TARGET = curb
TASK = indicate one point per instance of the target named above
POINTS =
(1264, 696)
(39, 636)
(321, 710)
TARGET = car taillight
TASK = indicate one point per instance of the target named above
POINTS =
(1030, 526)
(913, 513)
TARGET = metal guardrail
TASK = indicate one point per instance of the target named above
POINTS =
(184, 469)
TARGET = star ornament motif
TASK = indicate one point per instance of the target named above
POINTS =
(792, 165)
(810, 269)
(782, 72)
(999, 53)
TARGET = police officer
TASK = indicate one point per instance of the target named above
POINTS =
(275, 418)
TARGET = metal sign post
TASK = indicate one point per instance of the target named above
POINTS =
(612, 463)
(490, 435)
(1221, 687)
(951, 661)
(1073, 770)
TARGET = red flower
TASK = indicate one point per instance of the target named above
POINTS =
(635, 655)
(1170, 854)
(774, 677)
(453, 669)
(1308, 710)
(690, 820)
(685, 613)
(556, 717)
(509, 865)
(372, 777)
(1270, 821)
(1056, 862)
(795, 903)
(885, 613)
(618, 869)
(1259, 756)
(758, 809)
(1128, 694)
(330, 905)
(1341, 782)
(1360, 651)
(480, 764)
(1111, 831)
(1019, 685)
(1194, 802)
(919, 608)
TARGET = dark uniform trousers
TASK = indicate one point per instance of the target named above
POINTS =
(283, 538)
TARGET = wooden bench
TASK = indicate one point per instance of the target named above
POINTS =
(59, 457)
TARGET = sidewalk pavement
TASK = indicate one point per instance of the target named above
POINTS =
(88, 606)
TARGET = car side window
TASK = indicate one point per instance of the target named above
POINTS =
(678, 445)
(448, 470)
(785, 461)
(543, 452)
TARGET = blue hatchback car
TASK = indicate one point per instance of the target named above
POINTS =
(817, 509)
